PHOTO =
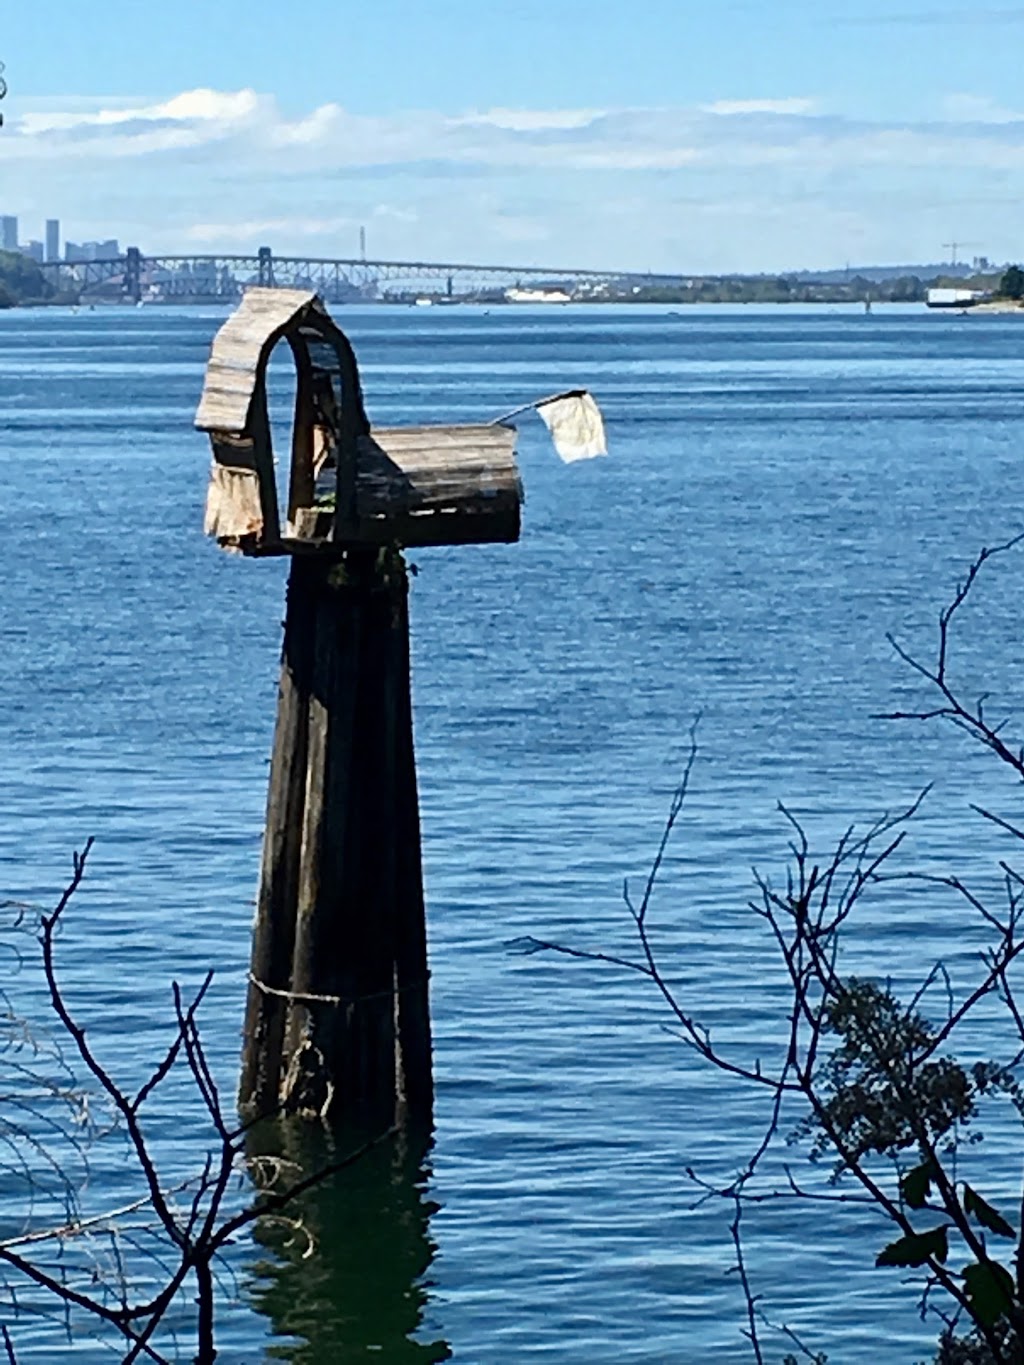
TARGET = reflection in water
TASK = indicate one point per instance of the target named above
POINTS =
(360, 1293)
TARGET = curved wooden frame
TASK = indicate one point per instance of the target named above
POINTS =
(407, 486)
(233, 410)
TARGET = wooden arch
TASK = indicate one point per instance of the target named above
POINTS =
(407, 486)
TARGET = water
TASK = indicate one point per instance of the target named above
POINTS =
(784, 488)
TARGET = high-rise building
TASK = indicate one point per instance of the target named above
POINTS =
(91, 251)
(53, 239)
(33, 249)
(8, 233)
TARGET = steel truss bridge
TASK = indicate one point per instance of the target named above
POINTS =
(135, 278)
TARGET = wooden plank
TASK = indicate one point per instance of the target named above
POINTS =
(340, 1041)
(351, 433)
(263, 459)
(234, 512)
(412, 999)
(301, 483)
(276, 907)
(477, 434)
(492, 523)
(494, 526)
(238, 348)
(420, 468)
(425, 488)
(447, 528)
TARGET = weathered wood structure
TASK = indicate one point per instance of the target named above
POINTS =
(348, 486)
(337, 1019)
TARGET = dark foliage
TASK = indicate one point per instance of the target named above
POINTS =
(21, 280)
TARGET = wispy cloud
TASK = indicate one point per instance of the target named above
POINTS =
(787, 106)
(531, 120)
(963, 108)
(736, 183)
(209, 107)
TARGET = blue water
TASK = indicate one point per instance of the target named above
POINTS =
(784, 487)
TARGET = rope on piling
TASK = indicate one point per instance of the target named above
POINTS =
(302, 998)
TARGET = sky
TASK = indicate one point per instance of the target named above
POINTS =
(659, 135)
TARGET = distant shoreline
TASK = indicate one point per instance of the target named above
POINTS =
(671, 307)
(999, 306)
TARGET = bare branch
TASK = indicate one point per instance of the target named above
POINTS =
(749, 1296)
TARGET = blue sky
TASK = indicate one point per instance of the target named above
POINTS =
(658, 134)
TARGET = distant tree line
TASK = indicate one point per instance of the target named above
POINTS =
(787, 289)
(21, 280)
(1011, 286)
(782, 289)
(909, 288)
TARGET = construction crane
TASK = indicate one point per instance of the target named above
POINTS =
(954, 247)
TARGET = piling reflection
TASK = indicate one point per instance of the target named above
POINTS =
(350, 1281)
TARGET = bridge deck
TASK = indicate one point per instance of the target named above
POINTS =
(225, 275)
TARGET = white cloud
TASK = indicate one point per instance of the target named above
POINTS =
(532, 120)
(965, 108)
(216, 233)
(316, 128)
(784, 107)
(737, 184)
(193, 106)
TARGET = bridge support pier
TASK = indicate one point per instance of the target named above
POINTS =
(133, 274)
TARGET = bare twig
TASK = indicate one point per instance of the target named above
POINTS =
(881, 1093)
(749, 1296)
(183, 1246)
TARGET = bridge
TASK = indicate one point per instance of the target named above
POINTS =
(135, 278)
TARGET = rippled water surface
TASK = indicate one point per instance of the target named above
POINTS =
(784, 488)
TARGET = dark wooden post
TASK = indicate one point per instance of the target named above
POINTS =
(337, 1018)
(273, 942)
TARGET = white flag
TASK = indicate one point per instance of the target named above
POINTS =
(575, 423)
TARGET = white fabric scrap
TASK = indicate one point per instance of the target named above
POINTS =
(576, 425)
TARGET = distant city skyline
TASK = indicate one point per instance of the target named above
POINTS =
(104, 249)
(49, 248)
(50, 251)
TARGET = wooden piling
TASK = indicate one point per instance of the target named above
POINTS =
(337, 1019)
(337, 1022)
